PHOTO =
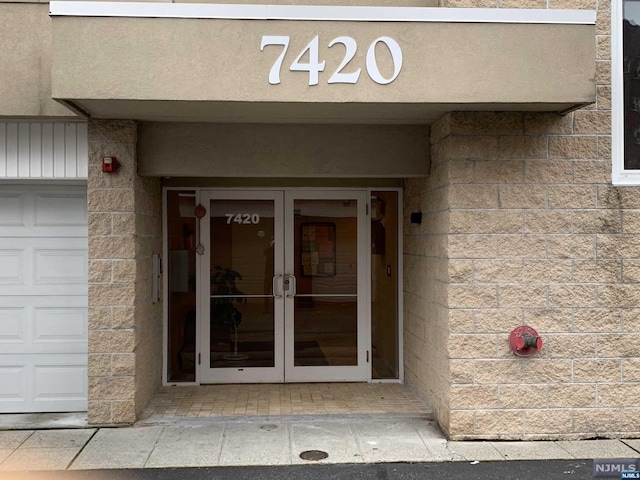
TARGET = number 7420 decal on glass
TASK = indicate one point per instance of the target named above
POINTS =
(314, 66)
(243, 218)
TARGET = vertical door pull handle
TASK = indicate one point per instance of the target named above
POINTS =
(274, 285)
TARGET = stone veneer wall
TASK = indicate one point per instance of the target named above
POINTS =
(125, 328)
(425, 326)
(537, 236)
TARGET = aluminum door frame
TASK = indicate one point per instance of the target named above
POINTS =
(273, 374)
(361, 371)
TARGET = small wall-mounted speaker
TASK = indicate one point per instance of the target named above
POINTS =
(416, 217)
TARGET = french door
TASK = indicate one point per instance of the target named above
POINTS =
(283, 290)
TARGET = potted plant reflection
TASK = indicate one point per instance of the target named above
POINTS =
(225, 299)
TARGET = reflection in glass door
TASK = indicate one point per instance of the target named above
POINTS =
(325, 334)
(285, 286)
(242, 334)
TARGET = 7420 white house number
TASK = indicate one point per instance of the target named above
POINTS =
(314, 66)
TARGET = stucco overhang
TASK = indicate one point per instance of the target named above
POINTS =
(204, 62)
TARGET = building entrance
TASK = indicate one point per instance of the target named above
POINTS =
(284, 288)
(282, 285)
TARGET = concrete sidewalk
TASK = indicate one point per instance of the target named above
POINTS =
(356, 439)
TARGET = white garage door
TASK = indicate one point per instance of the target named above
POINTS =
(43, 298)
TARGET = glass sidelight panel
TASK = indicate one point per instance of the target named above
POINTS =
(326, 282)
(241, 268)
(181, 265)
(384, 285)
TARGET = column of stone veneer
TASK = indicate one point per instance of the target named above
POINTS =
(125, 328)
(426, 315)
(539, 237)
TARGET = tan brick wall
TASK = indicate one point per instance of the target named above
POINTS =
(425, 273)
(535, 241)
(125, 328)
(148, 315)
(538, 236)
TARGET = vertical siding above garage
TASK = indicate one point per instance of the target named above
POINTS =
(43, 150)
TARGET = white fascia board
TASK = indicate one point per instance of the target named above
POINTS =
(619, 176)
(320, 13)
(156, 10)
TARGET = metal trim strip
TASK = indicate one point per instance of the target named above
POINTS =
(321, 13)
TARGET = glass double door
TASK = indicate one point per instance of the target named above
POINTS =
(284, 286)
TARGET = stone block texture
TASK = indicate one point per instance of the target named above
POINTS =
(425, 289)
(125, 327)
(523, 226)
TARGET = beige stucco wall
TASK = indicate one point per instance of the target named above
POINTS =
(146, 65)
(25, 63)
(125, 327)
(237, 150)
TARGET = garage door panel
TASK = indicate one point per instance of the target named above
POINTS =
(48, 328)
(48, 348)
(43, 299)
(12, 212)
(52, 232)
(54, 267)
(13, 383)
(59, 382)
(53, 209)
(41, 243)
(56, 325)
(43, 290)
(12, 267)
(13, 326)
(43, 383)
(62, 270)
